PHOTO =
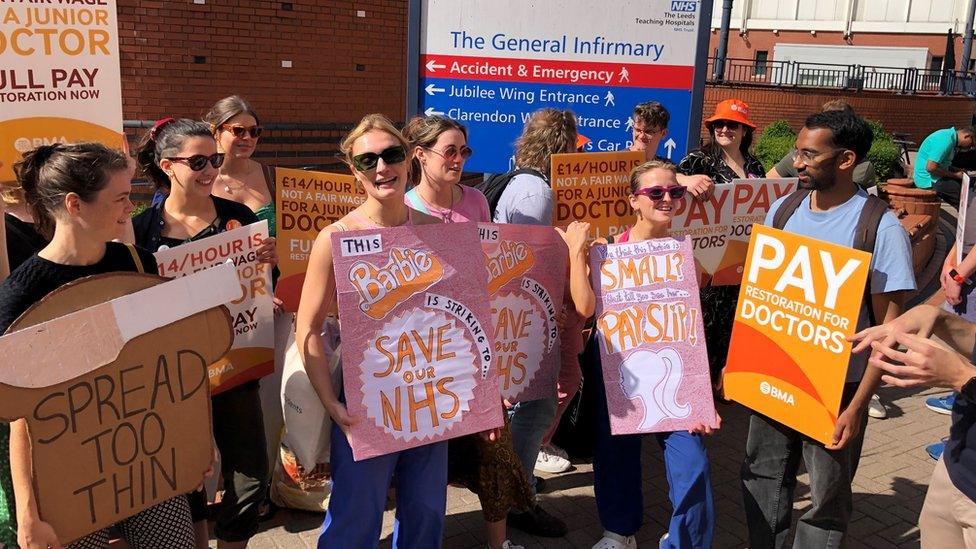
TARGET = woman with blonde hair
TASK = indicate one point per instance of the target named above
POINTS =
(379, 157)
(617, 473)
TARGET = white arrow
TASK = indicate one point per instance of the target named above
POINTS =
(433, 66)
(430, 112)
(670, 145)
(431, 90)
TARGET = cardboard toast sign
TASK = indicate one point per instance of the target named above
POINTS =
(110, 373)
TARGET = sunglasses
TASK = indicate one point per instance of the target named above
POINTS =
(452, 152)
(657, 193)
(198, 162)
(367, 161)
(730, 124)
(239, 131)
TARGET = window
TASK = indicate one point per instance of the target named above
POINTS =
(936, 63)
(759, 68)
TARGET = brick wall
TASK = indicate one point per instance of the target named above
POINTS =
(914, 115)
(343, 66)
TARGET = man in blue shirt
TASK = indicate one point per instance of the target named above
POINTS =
(933, 163)
(828, 148)
(948, 516)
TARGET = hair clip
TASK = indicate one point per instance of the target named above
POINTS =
(159, 125)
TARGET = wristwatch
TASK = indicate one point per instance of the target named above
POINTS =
(954, 274)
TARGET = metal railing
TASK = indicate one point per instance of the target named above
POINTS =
(845, 77)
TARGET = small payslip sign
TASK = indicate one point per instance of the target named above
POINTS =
(526, 279)
(799, 301)
(417, 350)
(652, 342)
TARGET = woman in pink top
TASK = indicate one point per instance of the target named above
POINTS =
(440, 147)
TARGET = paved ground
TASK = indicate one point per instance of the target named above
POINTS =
(888, 491)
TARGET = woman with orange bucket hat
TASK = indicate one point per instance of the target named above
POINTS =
(725, 157)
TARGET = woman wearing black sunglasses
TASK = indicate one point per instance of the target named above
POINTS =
(180, 155)
(236, 128)
(725, 157)
(440, 148)
(617, 464)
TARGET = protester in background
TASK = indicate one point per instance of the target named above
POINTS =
(529, 200)
(864, 174)
(617, 465)
(440, 148)
(379, 157)
(489, 468)
(79, 194)
(828, 147)
(725, 157)
(650, 126)
(933, 163)
(948, 517)
(23, 239)
(180, 155)
(236, 128)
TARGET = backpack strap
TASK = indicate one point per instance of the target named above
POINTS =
(865, 237)
(789, 206)
(140, 268)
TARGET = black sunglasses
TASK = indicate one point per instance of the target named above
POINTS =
(657, 193)
(730, 124)
(198, 162)
(367, 161)
(239, 131)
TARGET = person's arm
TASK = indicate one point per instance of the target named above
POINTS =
(32, 532)
(773, 174)
(699, 185)
(4, 258)
(318, 298)
(939, 172)
(533, 209)
(886, 306)
(580, 289)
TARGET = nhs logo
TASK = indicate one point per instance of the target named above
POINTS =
(687, 5)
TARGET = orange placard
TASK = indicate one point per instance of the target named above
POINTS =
(594, 187)
(60, 80)
(800, 299)
(307, 202)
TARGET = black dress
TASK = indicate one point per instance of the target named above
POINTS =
(718, 302)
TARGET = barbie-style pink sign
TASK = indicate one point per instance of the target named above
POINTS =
(526, 278)
(417, 352)
(652, 343)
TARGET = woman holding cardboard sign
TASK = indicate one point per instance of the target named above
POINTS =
(488, 468)
(180, 155)
(80, 194)
(726, 157)
(379, 156)
(616, 466)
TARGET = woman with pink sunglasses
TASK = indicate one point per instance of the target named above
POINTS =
(617, 464)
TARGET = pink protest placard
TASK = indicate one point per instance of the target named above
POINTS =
(526, 279)
(652, 342)
(417, 349)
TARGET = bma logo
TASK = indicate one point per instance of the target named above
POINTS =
(679, 5)
(777, 393)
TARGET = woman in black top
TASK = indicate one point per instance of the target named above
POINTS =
(80, 195)
(180, 155)
(23, 240)
(725, 157)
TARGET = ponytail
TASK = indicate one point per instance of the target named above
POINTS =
(166, 138)
(50, 172)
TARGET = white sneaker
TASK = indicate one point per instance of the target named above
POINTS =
(615, 541)
(552, 459)
(876, 408)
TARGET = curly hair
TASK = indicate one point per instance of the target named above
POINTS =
(547, 132)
